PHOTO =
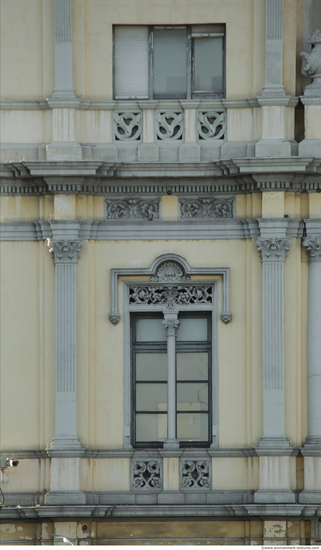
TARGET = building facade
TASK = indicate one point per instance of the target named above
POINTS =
(160, 271)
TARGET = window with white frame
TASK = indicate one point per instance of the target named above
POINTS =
(169, 62)
(191, 374)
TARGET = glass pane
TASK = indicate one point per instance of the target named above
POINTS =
(192, 427)
(131, 61)
(151, 366)
(192, 397)
(194, 330)
(208, 64)
(151, 397)
(192, 366)
(151, 427)
(150, 330)
(170, 62)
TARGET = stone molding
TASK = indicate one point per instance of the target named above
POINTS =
(152, 272)
(273, 250)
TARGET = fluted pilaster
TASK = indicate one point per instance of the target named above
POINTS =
(65, 254)
(273, 252)
(274, 48)
(63, 50)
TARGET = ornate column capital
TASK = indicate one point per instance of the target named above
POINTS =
(272, 249)
(171, 326)
(65, 251)
(313, 246)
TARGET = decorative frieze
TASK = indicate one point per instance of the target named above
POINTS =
(132, 209)
(273, 250)
(211, 125)
(65, 251)
(195, 474)
(169, 125)
(127, 126)
(146, 474)
(171, 296)
(203, 207)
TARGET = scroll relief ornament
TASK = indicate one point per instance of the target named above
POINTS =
(273, 250)
(146, 474)
(127, 126)
(169, 125)
(195, 474)
(171, 296)
(65, 251)
(211, 125)
(311, 65)
(206, 208)
(313, 247)
(132, 209)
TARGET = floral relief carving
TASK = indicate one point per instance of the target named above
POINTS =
(211, 125)
(171, 296)
(146, 474)
(65, 251)
(132, 209)
(169, 125)
(127, 126)
(206, 208)
(311, 65)
(273, 250)
(195, 474)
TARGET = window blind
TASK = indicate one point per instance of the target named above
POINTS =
(131, 62)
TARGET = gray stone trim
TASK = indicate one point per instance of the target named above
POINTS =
(63, 51)
(206, 510)
(116, 273)
(146, 474)
(141, 230)
(195, 473)
(274, 48)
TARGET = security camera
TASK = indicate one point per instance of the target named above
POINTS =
(5, 462)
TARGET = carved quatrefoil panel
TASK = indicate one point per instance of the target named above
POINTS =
(195, 474)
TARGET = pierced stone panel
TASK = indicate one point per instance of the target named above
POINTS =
(146, 474)
(206, 208)
(195, 474)
(211, 125)
(127, 126)
(132, 209)
(182, 295)
(169, 125)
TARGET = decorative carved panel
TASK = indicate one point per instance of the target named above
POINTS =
(211, 125)
(195, 474)
(313, 246)
(132, 209)
(171, 296)
(65, 251)
(146, 474)
(168, 272)
(169, 125)
(127, 126)
(203, 207)
(273, 250)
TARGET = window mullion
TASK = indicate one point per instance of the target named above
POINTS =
(189, 63)
(151, 63)
(171, 325)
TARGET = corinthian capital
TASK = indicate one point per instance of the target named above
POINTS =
(65, 252)
(171, 326)
(273, 250)
(313, 246)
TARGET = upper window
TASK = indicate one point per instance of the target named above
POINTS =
(178, 62)
(192, 374)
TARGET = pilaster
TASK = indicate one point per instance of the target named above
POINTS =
(312, 446)
(64, 101)
(65, 450)
(273, 448)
